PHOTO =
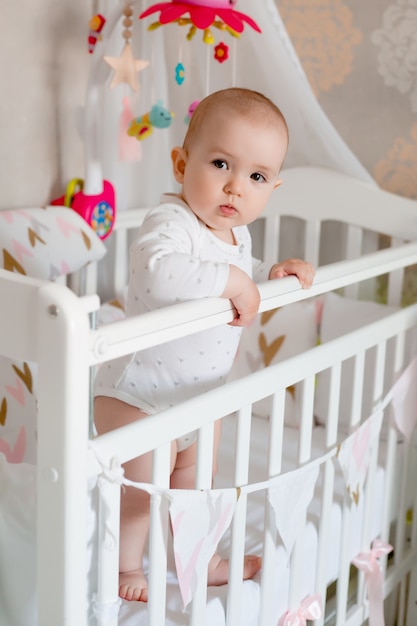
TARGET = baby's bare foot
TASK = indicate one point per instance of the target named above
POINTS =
(218, 569)
(133, 585)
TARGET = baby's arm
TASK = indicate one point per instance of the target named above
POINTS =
(294, 267)
(244, 294)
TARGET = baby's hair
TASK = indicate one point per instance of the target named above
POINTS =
(237, 100)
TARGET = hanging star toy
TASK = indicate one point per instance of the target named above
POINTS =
(126, 67)
(201, 15)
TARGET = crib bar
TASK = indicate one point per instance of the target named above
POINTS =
(306, 421)
(108, 553)
(297, 565)
(396, 279)
(271, 237)
(268, 588)
(333, 409)
(342, 590)
(378, 383)
(276, 425)
(238, 528)
(270, 536)
(357, 391)
(204, 468)
(158, 538)
(354, 242)
(304, 455)
(324, 544)
(312, 242)
(402, 507)
(203, 481)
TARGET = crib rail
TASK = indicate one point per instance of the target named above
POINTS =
(178, 320)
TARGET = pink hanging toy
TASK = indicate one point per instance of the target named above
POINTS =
(202, 15)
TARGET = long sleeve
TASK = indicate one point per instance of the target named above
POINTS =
(166, 261)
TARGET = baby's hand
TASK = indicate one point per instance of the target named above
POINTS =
(244, 294)
(294, 267)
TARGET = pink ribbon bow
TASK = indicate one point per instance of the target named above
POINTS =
(310, 608)
(368, 563)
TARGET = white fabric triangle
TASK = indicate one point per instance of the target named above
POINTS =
(403, 396)
(289, 499)
(199, 519)
(355, 452)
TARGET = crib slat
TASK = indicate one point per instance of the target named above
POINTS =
(342, 589)
(203, 481)
(158, 538)
(304, 455)
(108, 553)
(238, 528)
(306, 419)
(271, 537)
(332, 420)
(354, 240)
(204, 473)
(396, 279)
(324, 543)
(357, 391)
(297, 565)
(312, 242)
(271, 238)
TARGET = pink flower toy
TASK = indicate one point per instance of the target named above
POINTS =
(201, 14)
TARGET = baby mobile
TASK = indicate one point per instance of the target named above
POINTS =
(201, 15)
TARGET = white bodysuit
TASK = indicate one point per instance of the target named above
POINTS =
(177, 258)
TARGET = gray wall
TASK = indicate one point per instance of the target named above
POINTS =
(43, 70)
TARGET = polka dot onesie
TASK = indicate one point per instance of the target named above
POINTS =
(174, 259)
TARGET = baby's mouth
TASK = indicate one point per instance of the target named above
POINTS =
(227, 210)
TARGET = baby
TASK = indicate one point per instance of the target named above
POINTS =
(195, 244)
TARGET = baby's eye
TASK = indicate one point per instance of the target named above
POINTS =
(220, 164)
(258, 177)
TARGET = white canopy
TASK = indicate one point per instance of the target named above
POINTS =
(266, 62)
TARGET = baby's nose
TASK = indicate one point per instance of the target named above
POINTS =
(233, 187)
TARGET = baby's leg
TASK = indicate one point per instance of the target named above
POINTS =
(109, 414)
(183, 477)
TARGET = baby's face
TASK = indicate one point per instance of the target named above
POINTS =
(231, 169)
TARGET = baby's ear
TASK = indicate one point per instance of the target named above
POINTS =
(277, 183)
(179, 159)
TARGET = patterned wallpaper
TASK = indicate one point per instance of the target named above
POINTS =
(361, 60)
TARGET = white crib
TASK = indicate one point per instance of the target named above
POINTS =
(308, 546)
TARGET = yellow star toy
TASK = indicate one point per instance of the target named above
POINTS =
(126, 67)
